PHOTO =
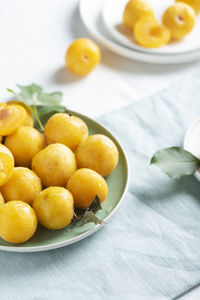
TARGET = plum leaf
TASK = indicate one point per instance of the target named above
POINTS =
(89, 217)
(46, 110)
(33, 96)
(84, 216)
(176, 162)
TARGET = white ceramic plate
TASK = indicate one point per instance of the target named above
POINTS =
(192, 141)
(113, 21)
(91, 14)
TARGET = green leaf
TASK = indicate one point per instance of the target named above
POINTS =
(84, 216)
(54, 98)
(176, 162)
(33, 96)
(11, 91)
(29, 90)
(96, 205)
(46, 110)
(89, 217)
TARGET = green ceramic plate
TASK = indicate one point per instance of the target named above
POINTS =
(45, 239)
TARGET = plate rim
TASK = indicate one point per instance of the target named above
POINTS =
(96, 227)
(136, 55)
(120, 38)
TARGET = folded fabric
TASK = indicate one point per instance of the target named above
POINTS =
(149, 250)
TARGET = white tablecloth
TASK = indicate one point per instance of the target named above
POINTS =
(34, 36)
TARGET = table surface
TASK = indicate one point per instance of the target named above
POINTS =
(34, 37)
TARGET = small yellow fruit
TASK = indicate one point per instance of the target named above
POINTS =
(54, 165)
(18, 222)
(65, 129)
(6, 164)
(82, 56)
(99, 153)
(1, 200)
(84, 185)
(24, 144)
(148, 33)
(180, 19)
(11, 118)
(24, 185)
(29, 118)
(135, 10)
(54, 207)
(195, 4)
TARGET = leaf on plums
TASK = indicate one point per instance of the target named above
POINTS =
(33, 96)
(54, 98)
(176, 162)
(34, 93)
(96, 205)
(45, 110)
(84, 216)
(28, 91)
(89, 217)
(11, 91)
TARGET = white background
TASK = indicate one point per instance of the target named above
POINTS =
(34, 35)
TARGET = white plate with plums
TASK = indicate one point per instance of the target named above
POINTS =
(91, 13)
(113, 20)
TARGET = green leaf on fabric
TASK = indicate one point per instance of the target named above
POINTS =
(176, 162)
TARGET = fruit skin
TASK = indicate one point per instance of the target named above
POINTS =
(180, 19)
(24, 144)
(23, 185)
(65, 129)
(11, 118)
(84, 185)
(195, 4)
(54, 165)
(18, 222)
(6, 164)
(98, 153)
(150, 34)
(135, 10)
(82, 56)
(2, 201)
(29, 121)
(54, 207)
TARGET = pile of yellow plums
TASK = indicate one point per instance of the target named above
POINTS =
(43, 177)
(177, 21)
